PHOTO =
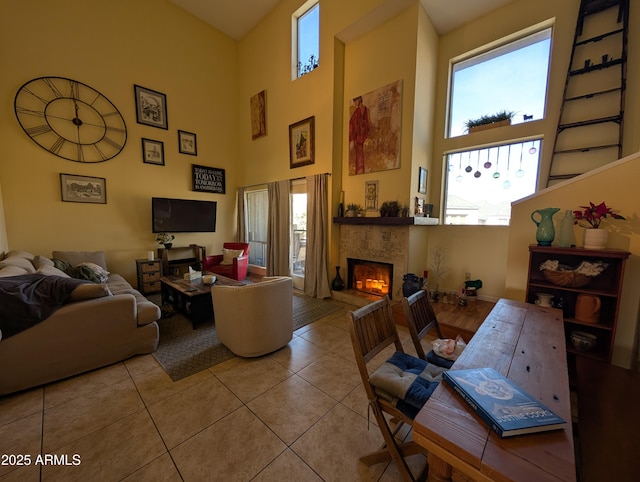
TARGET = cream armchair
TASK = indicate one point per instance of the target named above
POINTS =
(255, 319)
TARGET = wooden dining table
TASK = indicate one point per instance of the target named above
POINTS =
(525, 343)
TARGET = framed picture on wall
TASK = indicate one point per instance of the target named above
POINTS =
(258, 104)
(302, 143)
(152, 152)
(83, 189)
(422, 180)
(371, 195)
(151, 107)
(187, 143)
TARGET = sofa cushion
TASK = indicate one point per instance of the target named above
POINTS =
(19, 254)
(40, 261)
(52, 271)
(229, 254)
(12, 271)
(74, 258)
(18, 262)
(89, 291)
(117, 284)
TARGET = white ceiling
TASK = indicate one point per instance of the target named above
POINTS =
(237, 17)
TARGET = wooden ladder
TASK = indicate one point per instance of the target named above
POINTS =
(590, 125)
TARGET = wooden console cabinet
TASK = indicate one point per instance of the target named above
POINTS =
(176, 260)
(149, 274)
(607, 287)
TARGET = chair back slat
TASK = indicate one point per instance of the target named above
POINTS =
(420, 319)
(373, 328)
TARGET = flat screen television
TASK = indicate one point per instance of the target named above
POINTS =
(183, 215)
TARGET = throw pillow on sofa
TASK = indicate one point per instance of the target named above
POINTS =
(100, 272)
(78, 272)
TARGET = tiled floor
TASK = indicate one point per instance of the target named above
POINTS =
(297, 414)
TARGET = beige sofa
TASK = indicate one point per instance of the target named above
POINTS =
(102, 323)
(255, 319)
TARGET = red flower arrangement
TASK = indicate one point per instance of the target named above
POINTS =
(593, 215)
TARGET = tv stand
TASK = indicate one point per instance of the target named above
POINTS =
(177, 260)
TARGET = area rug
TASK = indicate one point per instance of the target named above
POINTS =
(183, 351)
(307, 310)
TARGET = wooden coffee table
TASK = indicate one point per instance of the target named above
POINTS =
(193, 298)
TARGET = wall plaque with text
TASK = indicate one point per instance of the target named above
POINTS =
(208, 179)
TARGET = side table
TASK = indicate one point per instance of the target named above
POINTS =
(149, 274)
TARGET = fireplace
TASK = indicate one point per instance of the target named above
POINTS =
(372, 277)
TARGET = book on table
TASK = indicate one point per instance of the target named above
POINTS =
(505, 407)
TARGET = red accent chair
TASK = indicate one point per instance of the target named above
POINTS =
(238, 267)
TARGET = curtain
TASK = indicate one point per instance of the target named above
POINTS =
(241, 233)
(278, 228)
(316, 280)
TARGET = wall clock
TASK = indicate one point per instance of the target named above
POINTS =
(70, 119)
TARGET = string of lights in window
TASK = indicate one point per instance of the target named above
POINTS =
(494, 156)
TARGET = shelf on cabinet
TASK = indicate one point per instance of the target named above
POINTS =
(607, 286)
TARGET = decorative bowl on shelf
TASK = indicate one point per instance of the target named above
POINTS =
(568, 279)
(583, 341)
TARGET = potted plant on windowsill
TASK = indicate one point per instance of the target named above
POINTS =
(590, 218)
(502, 118)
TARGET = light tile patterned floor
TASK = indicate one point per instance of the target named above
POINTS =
(297, 414)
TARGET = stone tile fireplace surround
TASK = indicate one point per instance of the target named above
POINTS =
(382, 244)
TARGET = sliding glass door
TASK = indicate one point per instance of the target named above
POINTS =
(298, 245)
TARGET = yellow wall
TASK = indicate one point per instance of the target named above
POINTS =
(363, 46)
(617, 186)
(112, 45)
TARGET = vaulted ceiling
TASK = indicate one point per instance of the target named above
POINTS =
(237, 18)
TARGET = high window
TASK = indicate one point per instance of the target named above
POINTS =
(511, 77)
(306, 35)
(508, 78)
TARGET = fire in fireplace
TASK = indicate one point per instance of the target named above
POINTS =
(370, 277)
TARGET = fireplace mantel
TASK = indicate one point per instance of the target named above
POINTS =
(388, 221)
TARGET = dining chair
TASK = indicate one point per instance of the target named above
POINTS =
(421, 319)
(372, 330)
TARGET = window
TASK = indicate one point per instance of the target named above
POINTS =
(256, 203)
(306, 28)
(482, 183)
(511, 77)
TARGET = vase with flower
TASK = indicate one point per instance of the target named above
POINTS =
(166, 239)
(590, 218)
